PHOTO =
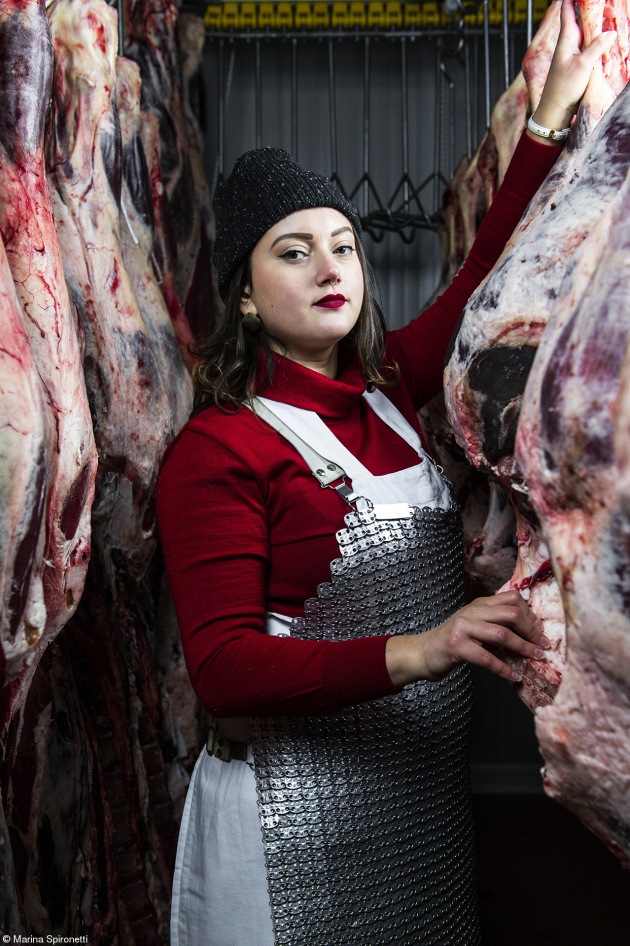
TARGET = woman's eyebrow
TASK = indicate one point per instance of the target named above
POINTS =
(306, 236)
(292, 236)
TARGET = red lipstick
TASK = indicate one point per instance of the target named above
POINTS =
(331, 302)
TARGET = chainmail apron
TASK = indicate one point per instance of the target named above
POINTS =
(366, 813)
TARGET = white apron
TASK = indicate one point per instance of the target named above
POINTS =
(220, 885)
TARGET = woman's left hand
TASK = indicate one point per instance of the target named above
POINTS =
(570, 71)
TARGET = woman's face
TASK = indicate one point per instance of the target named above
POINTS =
(307, 285)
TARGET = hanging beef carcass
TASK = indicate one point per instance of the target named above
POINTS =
(572, 445)
(489, 523)
(203, 302)
(178, 699)
(136, 238)
(184, 225)
(506, 319)
(110, 639)
(26, 447)
(32, 248)
(131, 409)
(500, 333)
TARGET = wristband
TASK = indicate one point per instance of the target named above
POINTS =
(554, 134)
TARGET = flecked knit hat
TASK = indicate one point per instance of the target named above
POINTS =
(266, 185)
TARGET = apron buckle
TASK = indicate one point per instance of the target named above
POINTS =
(346, 492)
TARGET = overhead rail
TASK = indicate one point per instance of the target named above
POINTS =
(379, 16)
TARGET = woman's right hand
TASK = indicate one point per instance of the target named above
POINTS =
(502, 620)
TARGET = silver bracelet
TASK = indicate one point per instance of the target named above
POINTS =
(554, 134)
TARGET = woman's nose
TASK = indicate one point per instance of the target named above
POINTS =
(329, 272)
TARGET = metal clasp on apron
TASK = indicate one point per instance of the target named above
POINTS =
(223, 748)
(326, 472)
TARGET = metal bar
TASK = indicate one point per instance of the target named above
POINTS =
(530, 21)
(404, 101)
(353, 36)
(332, 109)
(258, 96)
(437, 134)
(486, 57)
(506, 45)
(121, 28)
(468, 94)
(221, 130)
(294, 95)
(366, 124)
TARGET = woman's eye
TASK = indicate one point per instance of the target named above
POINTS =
(293, 254)
(344, 250)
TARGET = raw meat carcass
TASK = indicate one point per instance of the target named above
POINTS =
(111, 636)
(130, 406)
(203, 302)
(137, 245)
(525, 300)
(537, 59)
(573, 446)
(489, 523)
(26, 447)
(499, 336)
(184, 238)
(32, 248)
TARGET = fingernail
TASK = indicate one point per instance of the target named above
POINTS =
(538, 653)
(544, 642)
(515, 677)
(538, 625)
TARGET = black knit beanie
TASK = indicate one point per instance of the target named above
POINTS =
(266, 185)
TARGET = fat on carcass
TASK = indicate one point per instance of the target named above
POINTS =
(32, 248)
(573, 447)
(26, 449)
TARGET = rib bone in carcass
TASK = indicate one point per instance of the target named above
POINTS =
(573, 446)
(32, 248)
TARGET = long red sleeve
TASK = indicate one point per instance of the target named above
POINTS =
(246, 529)
(419, 348)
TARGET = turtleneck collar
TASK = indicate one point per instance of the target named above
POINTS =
(302, 387)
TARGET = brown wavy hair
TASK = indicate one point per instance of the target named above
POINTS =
(228, 365)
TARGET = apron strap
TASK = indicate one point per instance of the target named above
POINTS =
(326, 472)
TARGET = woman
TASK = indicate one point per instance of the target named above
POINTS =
(332, 803)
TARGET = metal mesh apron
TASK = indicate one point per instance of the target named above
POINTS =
(366, 813)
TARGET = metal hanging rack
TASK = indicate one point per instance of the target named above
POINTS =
(406, 209)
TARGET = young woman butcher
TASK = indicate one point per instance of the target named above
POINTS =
(314, 554)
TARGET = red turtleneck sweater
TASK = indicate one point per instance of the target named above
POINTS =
(246, 529)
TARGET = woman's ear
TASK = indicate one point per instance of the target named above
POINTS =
(246, 301)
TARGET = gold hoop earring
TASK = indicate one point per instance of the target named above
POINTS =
(251, 322)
